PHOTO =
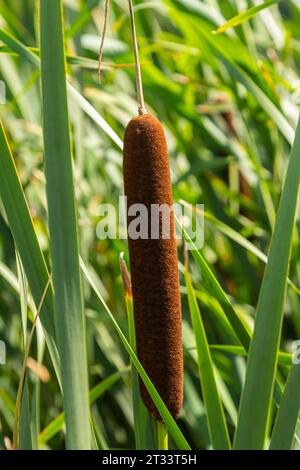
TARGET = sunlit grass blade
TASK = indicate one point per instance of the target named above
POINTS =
(245, 16)
(10, 277)
(162, 436)
(173, 429)
(84, 62)
(256, 397)
(68, 303)
(284, 359)
(95, 116)
(287, 416)
(214, 410)
(21, 226)
(16, 46)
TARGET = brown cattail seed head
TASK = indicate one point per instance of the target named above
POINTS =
(154, 264)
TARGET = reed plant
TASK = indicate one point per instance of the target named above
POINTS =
(78, 325)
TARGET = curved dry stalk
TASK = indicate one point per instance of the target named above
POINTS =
(107, 5)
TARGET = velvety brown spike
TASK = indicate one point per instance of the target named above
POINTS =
(154, 264)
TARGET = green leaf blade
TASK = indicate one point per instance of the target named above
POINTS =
(214, 409)
(256, 398)
(69, 318)
(288, 413)
(21, 226)
(245, 16)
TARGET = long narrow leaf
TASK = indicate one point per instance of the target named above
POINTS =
(214, 410)
(287, 415)
(284, 359)
(245, 16)
(21, 226)
(257, 394)
(68, 304)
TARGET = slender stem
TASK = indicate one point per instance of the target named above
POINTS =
(139, 84)
(107, 3)
(162, 436)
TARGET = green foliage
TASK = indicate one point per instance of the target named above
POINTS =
(229, 106)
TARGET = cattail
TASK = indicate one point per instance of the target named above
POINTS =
(154, 264)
